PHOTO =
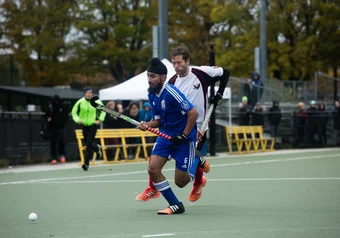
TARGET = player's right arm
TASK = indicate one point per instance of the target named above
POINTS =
(153, 123)
(74, 112)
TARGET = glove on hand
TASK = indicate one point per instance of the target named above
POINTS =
(178, 140)
(217, 99)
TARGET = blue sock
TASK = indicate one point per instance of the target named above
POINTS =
(192, 170)
(168, 194)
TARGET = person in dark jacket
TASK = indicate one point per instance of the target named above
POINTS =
(258, 115)
(111, 122)
(57, 116)
(248, 91)
(133, 112)
(312, 123)
(322, 121)
(257, 88)
(300, 117)
(244, 113)
(336, 121)
(274, 118)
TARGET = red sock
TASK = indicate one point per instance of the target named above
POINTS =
(151, 185)
(198, 177)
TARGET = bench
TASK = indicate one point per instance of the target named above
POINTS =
(123, 135)
(248, 139)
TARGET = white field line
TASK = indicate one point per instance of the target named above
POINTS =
(48, 167)
(159, 235)
(210, 180)
(171, 169)
(222, 233)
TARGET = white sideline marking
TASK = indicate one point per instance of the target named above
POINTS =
(210, 180)
(144, 171)
(158, 235)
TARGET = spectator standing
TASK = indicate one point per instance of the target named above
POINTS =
(244, 113)
(258, 115)
(336, 121)
(248, 91)
(322, 121)
(257, 88)
(274, 118)
(111, 122)
(145, 113)
(57, 116)
(89, 118)
(120, 109)
(299, 123)
(312, 123)
(133, 112)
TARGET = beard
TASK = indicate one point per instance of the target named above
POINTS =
(156, 89)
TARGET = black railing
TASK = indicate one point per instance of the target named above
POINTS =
(20, 140)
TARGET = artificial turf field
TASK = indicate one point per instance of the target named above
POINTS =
(283, 195)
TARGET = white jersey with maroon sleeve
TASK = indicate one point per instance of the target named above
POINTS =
(195, 87)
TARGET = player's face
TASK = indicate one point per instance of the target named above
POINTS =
(155, 82)
(180, 65)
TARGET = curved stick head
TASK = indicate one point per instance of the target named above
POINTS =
(93, 101)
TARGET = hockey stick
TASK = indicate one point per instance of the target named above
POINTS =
(207, 116)
(123, 117)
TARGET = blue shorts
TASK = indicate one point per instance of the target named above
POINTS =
(183, 154)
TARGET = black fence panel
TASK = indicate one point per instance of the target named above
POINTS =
(20, 140)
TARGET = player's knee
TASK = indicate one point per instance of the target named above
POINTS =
(153, 171)
(181, 183)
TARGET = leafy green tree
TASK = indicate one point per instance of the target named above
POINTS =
(55, 40)
(328, 45)
(236, 34)
(117, 31)
(35, 31)
(301, 37)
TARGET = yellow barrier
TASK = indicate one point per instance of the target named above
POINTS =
(248, 139)
(122, 135)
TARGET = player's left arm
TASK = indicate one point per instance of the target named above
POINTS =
(224, 78)
(192, 118)
(179, 100)
(191, 123)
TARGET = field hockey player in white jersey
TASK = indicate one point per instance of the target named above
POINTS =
(193, 82)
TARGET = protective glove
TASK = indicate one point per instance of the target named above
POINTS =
(217, 99)
(179, 139)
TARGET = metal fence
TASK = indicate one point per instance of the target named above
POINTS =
(288, 131)
(20, 140)
(324, 85)
(320, 89)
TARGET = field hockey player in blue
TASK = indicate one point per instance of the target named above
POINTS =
(175, 116)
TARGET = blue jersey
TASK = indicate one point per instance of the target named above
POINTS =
(171, 107)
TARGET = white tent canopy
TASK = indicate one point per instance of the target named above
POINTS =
(136, 88)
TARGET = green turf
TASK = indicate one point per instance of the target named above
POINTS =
(288, 195)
